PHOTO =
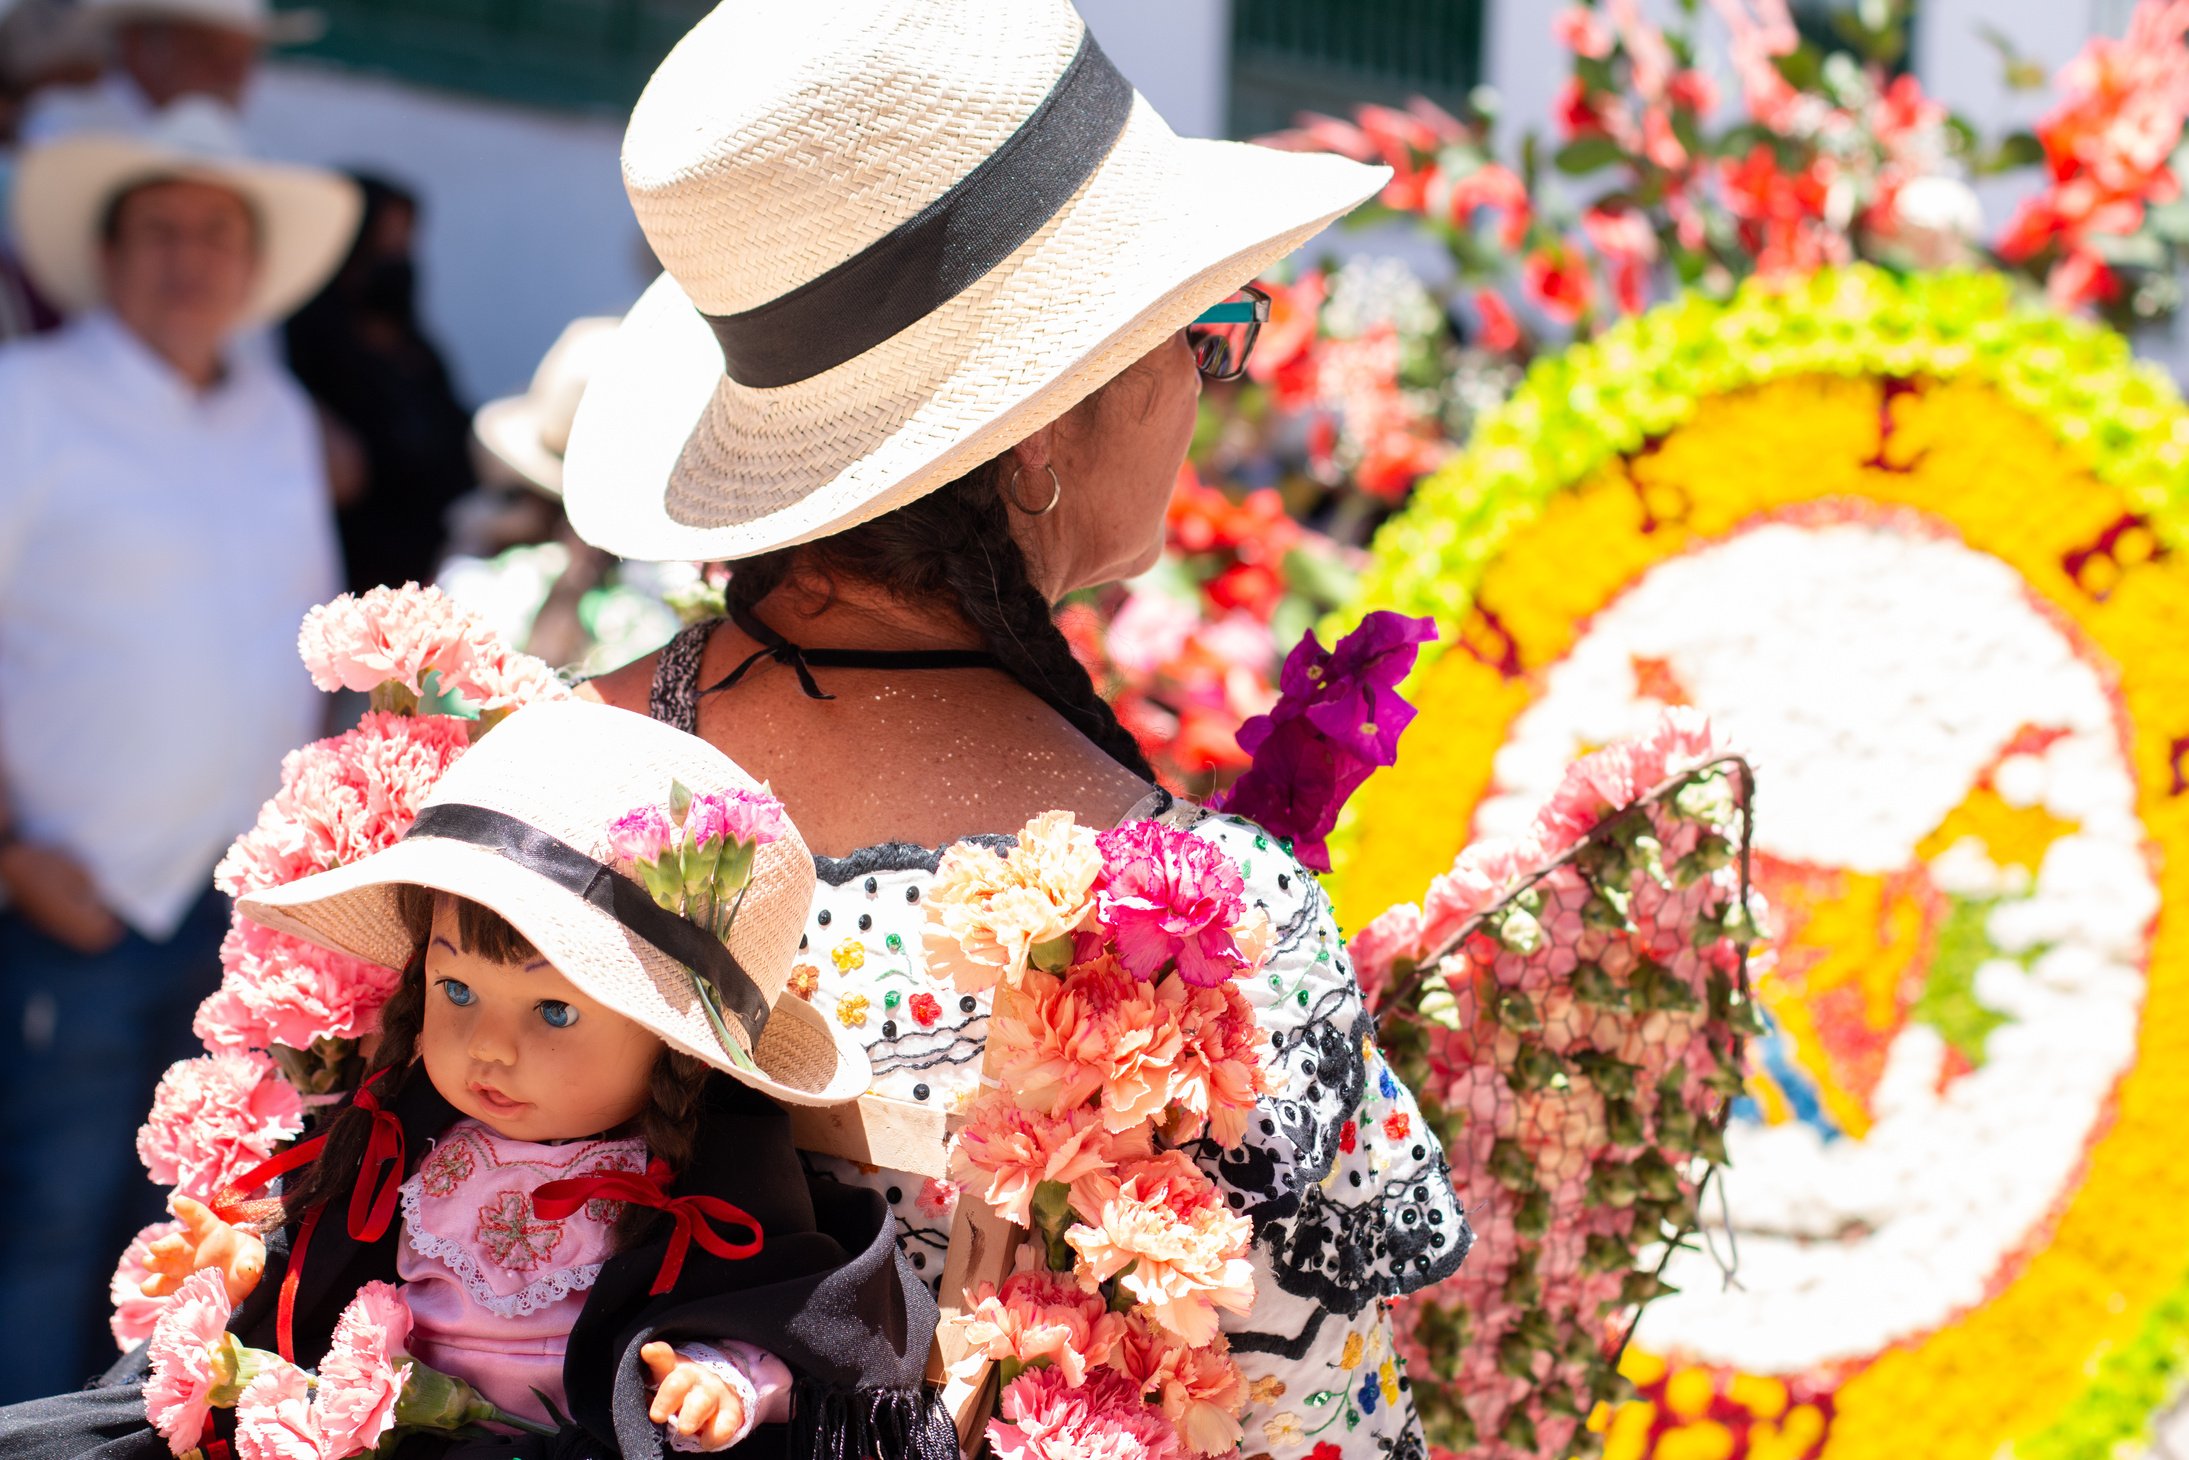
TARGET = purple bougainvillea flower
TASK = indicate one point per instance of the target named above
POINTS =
(1338, 717)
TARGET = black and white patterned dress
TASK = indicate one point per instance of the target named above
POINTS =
(1351, 1198)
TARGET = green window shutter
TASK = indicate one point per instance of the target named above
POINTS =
(583, 54)
(1290, 56)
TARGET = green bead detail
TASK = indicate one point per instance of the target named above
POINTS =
(894, 943)
(1261, 844)
(892, 999)
(1303, 998)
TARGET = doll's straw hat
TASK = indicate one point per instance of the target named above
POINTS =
(520, 825)
(900, 235)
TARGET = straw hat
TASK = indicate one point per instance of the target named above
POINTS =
(306, 216)
(520, 825)
(901, 235)
(252, 17)
(528, 433)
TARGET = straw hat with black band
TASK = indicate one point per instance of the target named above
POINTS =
(306, 216)
(900, 236)
(520, 825)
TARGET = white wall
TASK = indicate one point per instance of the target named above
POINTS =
(1178, 52)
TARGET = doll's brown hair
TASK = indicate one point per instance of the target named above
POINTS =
(665, 1124)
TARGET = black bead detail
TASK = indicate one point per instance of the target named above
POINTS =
(866, 922)
(889, 1029)
(872, 886)
(801, 942)
(920, 1092)
(1284, 881)
(894, 1195)
(822, 917)
(912, 894)
(968, 1004)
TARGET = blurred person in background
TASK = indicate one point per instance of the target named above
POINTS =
(160, 51)
(164, 525)
(362, 352)
(43, 44)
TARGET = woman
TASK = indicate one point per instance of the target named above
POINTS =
(924, 361)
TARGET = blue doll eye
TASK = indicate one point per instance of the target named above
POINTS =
(459, 993)
(558, 1014)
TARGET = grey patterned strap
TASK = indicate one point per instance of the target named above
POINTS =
(674, 697)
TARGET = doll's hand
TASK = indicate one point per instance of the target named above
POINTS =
(693, 1400)
(204, 1241)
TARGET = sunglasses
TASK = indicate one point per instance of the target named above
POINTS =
(1222, 336)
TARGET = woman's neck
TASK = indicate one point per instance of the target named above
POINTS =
(852, 615)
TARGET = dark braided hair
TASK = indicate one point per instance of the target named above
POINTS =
(677, 1082)
(957, 540)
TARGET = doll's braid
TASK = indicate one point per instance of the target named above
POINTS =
(401, 1019)
(666, 1126)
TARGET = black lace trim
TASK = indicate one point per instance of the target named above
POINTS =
(1410, 1234)
(1293, 1349)
(897, 857)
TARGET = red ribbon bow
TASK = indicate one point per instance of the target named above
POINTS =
(369, 1213)
(692, 1214)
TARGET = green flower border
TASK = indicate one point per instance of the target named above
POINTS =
(1579, 409)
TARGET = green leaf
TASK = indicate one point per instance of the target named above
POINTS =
(680, 801)
(2016, 150)
(1586, 154)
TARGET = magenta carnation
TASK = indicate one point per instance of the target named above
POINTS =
(179, 1390)
(641, 835)
(135, 1314)
(214, 1118)
(1043, 1417)
(399, 634)
(362, 1375)
(1166, 894)
(276, 1420)
(753, 818)
(342, 799)
(276, 989)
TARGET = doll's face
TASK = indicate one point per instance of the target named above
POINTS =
(518, 1047)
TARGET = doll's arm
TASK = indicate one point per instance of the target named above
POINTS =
(204, 1241)
(711, 1395)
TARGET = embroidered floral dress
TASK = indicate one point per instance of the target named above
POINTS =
(1351, 1197)
(494, 1289)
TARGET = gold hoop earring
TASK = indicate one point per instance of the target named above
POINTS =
(1056, 494)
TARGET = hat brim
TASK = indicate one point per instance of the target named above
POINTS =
(669, 459)
(509, 429)
(356, 910)
(307, 217)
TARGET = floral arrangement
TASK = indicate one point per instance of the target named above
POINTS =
(1119, 1033)
(282, 1033)
(1583, 1011)
(366, 1389)
(694, 857)
(1983, 501)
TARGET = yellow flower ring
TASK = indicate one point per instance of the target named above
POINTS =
(1938, 419)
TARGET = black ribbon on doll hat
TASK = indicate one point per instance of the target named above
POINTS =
(595, 882)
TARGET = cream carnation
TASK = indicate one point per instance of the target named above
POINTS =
(986, 911)
(1166, 1236)
(1037, 1317)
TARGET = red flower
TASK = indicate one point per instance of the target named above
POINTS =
(924, 1008)
(1396, 1126)
(1577, 113)
(1493, 185)
(1500, 331)
(1557, 279)
(1249, 586)
(1324, 1450)
(1349, 1137)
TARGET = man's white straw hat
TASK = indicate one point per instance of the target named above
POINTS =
(914, 232)
(563, 773)
(528, 433)
(250, 17)
(307, 216)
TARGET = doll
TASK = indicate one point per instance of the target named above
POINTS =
(569, 1149)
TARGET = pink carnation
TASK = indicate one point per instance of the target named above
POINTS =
(1043, 1416)
(1167, 894)
(749, 818)
(1165, 1234)
(343, 799)
(498, 679)
(276, 989)
(362, 1375)
(1394, 935)
(1036, 1317)
(1097, 1034)
(275, 1419)
(179, 1391)
(1216, 1079)
(641, 834)
(215, 1117)
(135, 1314)
(1200, 1389)
(1018, 1150)
(399, 634)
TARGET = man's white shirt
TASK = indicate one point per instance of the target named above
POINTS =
(158, 547)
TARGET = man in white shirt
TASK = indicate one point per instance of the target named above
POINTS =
(164, 524)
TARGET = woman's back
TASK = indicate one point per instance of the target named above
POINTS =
(898, 755)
